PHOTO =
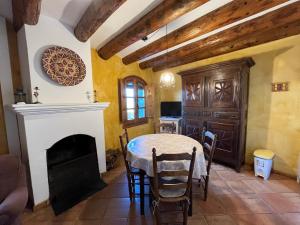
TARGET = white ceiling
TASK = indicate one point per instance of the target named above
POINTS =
(67, 11)
(70, 11)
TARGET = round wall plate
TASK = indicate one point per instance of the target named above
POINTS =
(63, 66)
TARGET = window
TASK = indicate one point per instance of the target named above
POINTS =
(132, 101)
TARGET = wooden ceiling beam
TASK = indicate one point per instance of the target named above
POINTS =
(280, 17)
(227, 14)
(161, 15)
(95, 15)
(25, 12)
(241, 43)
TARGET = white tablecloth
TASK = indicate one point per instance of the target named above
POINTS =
(139, 153)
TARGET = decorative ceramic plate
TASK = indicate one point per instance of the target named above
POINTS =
(63, 66)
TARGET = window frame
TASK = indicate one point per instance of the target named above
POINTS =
(123, 97)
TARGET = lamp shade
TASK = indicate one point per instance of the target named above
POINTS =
(167, 79)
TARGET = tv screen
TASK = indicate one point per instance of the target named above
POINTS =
(170, 109)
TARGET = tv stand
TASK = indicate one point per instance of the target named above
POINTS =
(176, 120)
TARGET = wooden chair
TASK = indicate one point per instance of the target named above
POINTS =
(208, 142)
(172, 191)
(132, 173)
(165, 128)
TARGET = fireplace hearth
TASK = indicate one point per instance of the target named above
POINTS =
(73, 172)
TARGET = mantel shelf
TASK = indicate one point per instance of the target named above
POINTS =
(39, 109)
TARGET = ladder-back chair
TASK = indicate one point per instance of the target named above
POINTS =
(131, 173)
(208, 142)
(174, 190)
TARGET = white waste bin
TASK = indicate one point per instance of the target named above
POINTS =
(263, 160)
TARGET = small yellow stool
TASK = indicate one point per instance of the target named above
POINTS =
(263, 160)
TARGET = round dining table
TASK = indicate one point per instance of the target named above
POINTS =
(139, 155)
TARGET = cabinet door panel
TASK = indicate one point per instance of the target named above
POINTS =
(193, 126)
(193, 90)
(227, 140)
(223, 89)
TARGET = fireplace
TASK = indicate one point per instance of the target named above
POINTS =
(73, 172)
(56, 136)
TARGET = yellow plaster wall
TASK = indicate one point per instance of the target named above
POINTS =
(105, 79)
(172, 93)
(273, 118)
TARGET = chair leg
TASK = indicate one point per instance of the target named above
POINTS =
(185, 212)
(142, 192)
(206, 188)
(129, 180)
(133, 186)
(157, 215)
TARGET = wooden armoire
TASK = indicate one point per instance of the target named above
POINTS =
(216, 96)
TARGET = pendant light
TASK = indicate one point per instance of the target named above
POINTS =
(167, 78)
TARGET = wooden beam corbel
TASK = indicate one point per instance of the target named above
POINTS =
(95, 15)
(25, 12)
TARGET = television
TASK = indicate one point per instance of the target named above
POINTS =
(170, 109)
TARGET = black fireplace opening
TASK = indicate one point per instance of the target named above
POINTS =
(73, 171)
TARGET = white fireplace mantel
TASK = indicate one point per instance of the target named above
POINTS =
(40, 109)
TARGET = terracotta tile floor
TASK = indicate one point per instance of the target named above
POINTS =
(234, 199)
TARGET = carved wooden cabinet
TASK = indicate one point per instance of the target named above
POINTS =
(216, 96)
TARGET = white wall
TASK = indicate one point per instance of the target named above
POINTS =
(7, 90)
(33, 41)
